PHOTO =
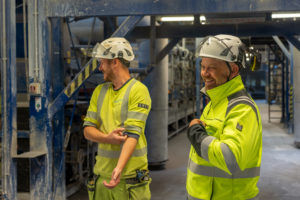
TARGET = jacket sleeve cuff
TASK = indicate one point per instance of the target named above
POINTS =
(132, 135)
(196, 134)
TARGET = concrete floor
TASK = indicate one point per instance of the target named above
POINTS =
(280, 169)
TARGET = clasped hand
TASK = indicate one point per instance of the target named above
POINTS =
(117, 136)
(196, 121)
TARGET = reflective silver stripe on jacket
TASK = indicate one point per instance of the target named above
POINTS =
(88, 123)
(228, 155)
(92, 115)
(133, 128)
(193, 198)
(124, 106)
(229, 158)
(216, 172)
(137, 116)
(241, 97)
(204, 147)
(116, 154)
(100, 100)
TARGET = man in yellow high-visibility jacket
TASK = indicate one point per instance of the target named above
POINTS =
(225, 156)
(116, 120)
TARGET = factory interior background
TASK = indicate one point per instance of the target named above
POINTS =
(48, 75)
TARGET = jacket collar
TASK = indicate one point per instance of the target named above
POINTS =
(218, 94)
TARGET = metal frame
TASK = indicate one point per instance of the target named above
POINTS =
(293, 40)
(268, 28)
(291, 91)
(41, 133)
(58, 126)
(57, 8)
(282, 47)
(198, 87)
(9, 97)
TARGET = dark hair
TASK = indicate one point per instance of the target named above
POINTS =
(124, 62)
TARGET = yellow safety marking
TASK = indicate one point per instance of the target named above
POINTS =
(94, 64)
(86, 73)
(81, 77)
(72, 87)
(291, 103)
(68, 57)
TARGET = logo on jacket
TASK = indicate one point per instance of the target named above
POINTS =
(239, 127)
(141, 105)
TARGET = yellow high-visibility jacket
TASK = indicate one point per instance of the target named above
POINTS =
(126, 107)
(229, 165)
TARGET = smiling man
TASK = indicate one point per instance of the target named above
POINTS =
(226, 142)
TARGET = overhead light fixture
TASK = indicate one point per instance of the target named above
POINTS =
(285, 15)
(177, 19)
(202, 19)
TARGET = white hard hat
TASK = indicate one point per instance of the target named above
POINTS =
(114, 47)
(224, 47)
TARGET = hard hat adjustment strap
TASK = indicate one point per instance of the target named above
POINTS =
(229, 67)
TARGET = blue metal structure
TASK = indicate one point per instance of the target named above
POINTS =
(8, 94)
(46, 114)
(288, 65)
(293, 40)
(128, 24)
(282, 47)
(198, 87)
(291, 90)
(41, 133)
(57, 8)
(58, 119)
(268, 28)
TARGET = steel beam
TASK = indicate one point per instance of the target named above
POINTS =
(128, 24)
(156, 58)
(198, 87)
(57, 71)
(58, 8)
(291, 90)
(295, 41)
(73, 87)
(41, 134)
(166, 49)
(9, 96)
(191, 31)
(282, 47)
(152, 41)
(291, 47)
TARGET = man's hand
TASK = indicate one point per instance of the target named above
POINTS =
(197, 121)
(116, 136)
(115, 179)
